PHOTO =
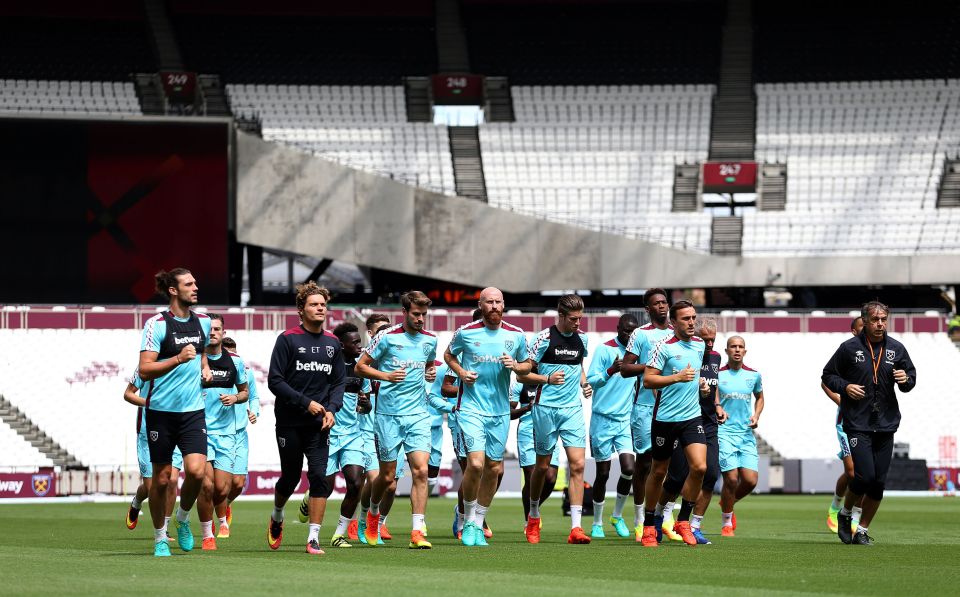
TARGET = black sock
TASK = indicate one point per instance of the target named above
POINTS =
(648, 518)
(685, 509)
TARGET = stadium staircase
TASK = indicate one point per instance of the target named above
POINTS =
(726, 236)
(499, 100)
(452, 56)
(772, 188)
(161, 32)
(22, 424)
(949, 192)
(150, 93)
(686, 187)
(733, 127)
(416, 98)
(467, 163)
(764, 448)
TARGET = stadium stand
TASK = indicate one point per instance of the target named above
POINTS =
(853, 148)
(595, 43)
(15, 451)
(105, 97)
(304, 49)
(601, 157)
(108, 43)
(91, 420)
(360, 126)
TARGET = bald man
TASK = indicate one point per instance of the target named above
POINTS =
(482, 354)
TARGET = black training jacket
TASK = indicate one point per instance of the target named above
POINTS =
(851, 364)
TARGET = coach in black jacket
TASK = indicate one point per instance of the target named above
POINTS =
(863, 372)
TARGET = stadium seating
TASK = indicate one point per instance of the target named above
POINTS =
(107, 97)
(360, 126)
(601, 157)
(864, 161)
(308, 50)
(18, 452)
(593, 43)
(91, 420)
(76, 49)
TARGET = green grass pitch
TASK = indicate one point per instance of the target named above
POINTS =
(782, 547)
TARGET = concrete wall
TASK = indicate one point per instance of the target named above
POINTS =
(296, 202)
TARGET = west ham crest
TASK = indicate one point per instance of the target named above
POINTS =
(154, 435)
(661, 441)
(330, 350)
(41, 485)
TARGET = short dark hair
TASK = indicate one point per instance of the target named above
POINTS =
(345, 328)
(872, 306)
(853, 322)
(627, 318)
(569, 303)
(228, 343)
(376, 318)
(167, 279)
(216, 316)
(681, 304)
(414, 297)
(652, 292)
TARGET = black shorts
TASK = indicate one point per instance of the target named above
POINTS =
(166, 430)
(666, 436)
(679, 469)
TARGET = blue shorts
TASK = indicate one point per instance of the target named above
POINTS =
(551, 424)
(484, 433)
(609, 436)
(738, 451)
(641, 423)
(221, 450)
(528, 456)
(143, 456)
(458, 448)
(844, 443)
(401, 434)
(370, 460)
(345, 450)
(436, 446)
(241, 453)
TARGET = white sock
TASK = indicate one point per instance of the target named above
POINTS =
(837, 502)
(182, 515)
(277, 515)
(575, 513)
(845, 511)
(637, 515)
(314, 533)
(668, 510)
(619, 504)
(534, 508)
(695, 521)
(727, 518)
(223, 521)
(342, 526)
(860, 527)
(383, 520)
(658, 510)
(417, 522)
(135, 503)
(432, 484)
(160, 534)
(207, 528)
(363, 512)
(479, 514)
(375, 508)
(597, 512)
(166, 523)
(470, 510)
(461, 520)
(856, 513)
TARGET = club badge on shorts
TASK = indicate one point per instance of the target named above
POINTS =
(853, 442)
(154, 435)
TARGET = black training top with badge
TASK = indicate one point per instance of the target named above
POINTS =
(224, 372)
(710, 371)
(306, 367)
(563, 350)
(179, 334)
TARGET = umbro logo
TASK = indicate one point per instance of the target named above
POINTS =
(301, 350)
(700, 429)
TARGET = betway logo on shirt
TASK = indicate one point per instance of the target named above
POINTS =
(220, 373)
(314, 366)
(407, 364)
(566, 352)
(186, 340)
(485, 358)
(738, 396)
